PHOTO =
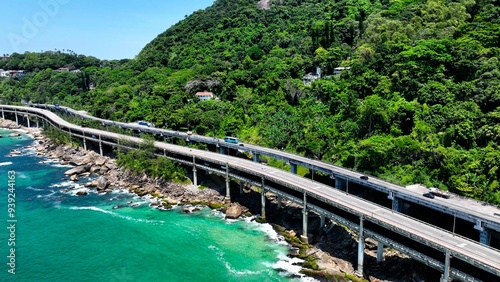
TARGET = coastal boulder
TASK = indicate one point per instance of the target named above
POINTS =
(102, 183)
(100, 161)
(74, 177)
(234, 211)
(77, 170)
(81, 192)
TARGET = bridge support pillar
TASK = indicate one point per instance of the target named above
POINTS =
(446, 275)
(305, 215)
(3, 115)
(340, 183)
(37, 124)
(263, 200)
(100, 146)
(195, 175)
(396, 204)
(485, 236)
(28, 118)
(228, 185)
(164, 152)
(322, 220)
(256, 157)
(84, 144)
(380, 252)
(361, 247)
(293, 168)
(242, 184)
(222, 150)
(279, 198)
(17, 120)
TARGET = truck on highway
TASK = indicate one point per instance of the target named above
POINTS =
(439, 193)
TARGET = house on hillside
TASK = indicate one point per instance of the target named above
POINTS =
(4, 73)
(63, 69)
(339, 70)
(205, 96)
(310, 77)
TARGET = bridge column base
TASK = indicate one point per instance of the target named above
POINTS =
(195, 177)
(361, 247)
(304, 239)
(100, 148)
(340, 183)
(485, 237)
(256, 157)
(380, 252)
(396, 204)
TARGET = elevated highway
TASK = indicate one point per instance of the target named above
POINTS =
(486, 218)
(433, 246)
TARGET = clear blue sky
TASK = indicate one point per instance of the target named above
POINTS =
(106, 29)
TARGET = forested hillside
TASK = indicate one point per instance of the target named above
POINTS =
(419, 104)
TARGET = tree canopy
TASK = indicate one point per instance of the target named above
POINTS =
(418, 101)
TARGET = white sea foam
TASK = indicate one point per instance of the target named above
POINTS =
(291, 267)
(63, 184)
(34, 189)
(5, 163)
(48, 195)
(21, 175)
(220, 257)
(92, 208)
(61, 165)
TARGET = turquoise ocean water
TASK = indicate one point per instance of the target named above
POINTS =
(63, 237)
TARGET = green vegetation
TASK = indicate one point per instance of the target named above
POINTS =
(419, 104)
(143, 160)
(60, 137)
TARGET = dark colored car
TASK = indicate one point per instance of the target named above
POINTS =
(364, 177)
(429, 195)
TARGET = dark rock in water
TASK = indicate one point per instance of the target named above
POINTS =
(81, 193)
(294, 252)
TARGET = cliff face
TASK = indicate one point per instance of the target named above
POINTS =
(264, 4)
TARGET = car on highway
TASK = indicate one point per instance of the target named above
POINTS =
(364, 177)
(428, 195)
(145, 123)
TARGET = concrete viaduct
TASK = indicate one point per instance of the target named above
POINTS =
(455, 256)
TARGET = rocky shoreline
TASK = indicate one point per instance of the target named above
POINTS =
(330, 256)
